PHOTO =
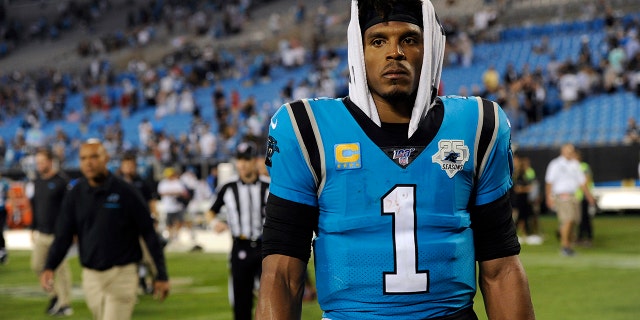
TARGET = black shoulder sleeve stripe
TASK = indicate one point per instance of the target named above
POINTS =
(310, 144)
(485, 138)
(487, 134)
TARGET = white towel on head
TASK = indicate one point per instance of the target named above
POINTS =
(434, 41)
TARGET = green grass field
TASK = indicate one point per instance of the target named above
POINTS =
(602, 282)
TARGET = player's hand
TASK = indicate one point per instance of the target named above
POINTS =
(220, 226)
(160, 290)
(46, 280)
(550, 202)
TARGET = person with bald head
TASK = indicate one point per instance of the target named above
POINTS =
(108, 215)
(563, 178)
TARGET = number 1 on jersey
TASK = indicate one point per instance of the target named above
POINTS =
(399, 202)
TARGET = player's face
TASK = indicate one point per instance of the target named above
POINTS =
(393, 53)
(93, 161)
(128, 168)
(247, 169)
(43, 164)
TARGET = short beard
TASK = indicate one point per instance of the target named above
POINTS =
(400, 99)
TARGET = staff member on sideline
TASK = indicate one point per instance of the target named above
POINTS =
(48, 191)
(563, 178)
(108, 215)
(244, 200)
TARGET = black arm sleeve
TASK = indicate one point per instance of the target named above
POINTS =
(217, 205)
(288, 228)
(494, 232)
(64, 232)
(34, 214)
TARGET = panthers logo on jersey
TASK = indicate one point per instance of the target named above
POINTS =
(451, 156)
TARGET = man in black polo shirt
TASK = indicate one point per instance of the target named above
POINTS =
(48, 191)
(108, 215)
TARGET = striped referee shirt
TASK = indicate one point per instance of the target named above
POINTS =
(245, 204)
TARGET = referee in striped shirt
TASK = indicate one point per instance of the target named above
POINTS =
(244, 200)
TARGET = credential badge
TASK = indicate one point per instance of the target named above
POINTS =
(451, 156)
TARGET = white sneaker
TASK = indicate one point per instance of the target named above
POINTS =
(534, 240)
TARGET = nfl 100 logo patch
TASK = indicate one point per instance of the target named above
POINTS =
(403, 155)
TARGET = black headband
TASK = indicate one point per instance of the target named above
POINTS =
(399, 12)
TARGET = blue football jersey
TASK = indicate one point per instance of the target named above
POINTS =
(393, 238)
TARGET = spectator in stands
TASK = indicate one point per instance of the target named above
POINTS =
(632, 74)
(299, 12)
(464, 46)
(482, 20)
(569, 86)
(632, 44)
(145, 133)
(207, 143)
(617, 57)
(302, 90)
(544, 47)
(534, 94)
(490, 80)
(275, 23)
(589, 81)
(610, 78)
(553, 69)
(510, 75)
(60, 145)
(164, 149)
(585, 56)
(212, 179)
(632, 134)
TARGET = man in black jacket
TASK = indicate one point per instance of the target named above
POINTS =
(108, 216)
(48, 191)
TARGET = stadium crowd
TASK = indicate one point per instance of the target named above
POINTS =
(37, 97)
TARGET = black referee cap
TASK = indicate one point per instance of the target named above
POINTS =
(246, 150)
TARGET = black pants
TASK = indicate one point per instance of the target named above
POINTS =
(246, 267)
(3, 221)
(585, 229)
